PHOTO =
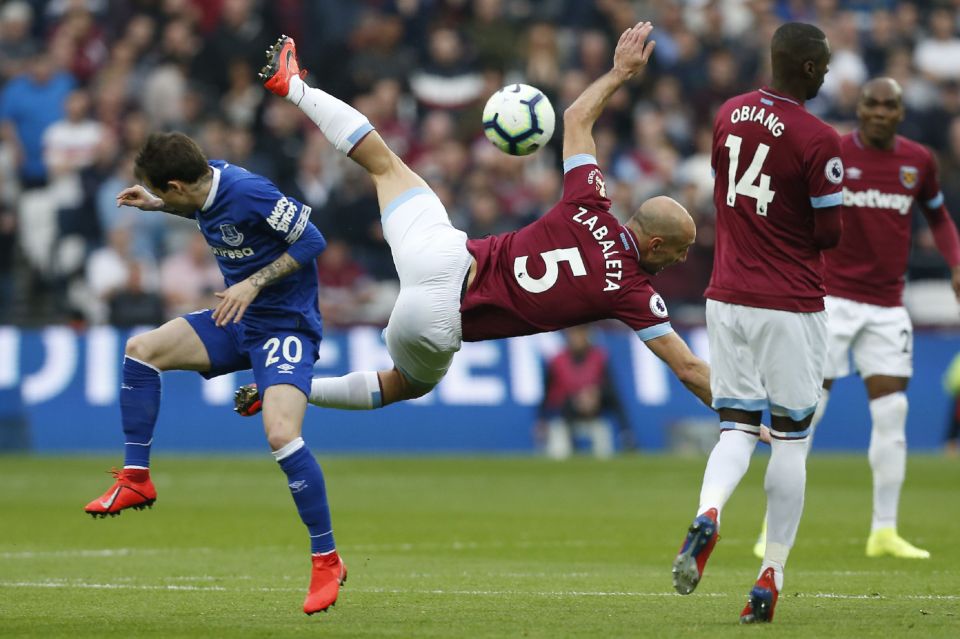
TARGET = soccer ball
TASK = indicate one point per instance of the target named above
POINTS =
(518, 119)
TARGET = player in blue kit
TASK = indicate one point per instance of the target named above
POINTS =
(267, 319)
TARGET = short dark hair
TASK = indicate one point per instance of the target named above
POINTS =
(794, 43)
(170, 156)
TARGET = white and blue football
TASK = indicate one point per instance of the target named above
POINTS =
(518, 119)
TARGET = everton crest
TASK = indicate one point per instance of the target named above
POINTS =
(231, 235)
(909, 176)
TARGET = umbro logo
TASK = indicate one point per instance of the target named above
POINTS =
(297, 486)
(854, 173)
(286, 368)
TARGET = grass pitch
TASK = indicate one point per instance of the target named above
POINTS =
(460, 547)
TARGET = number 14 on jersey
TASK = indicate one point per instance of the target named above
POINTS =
(747, 185)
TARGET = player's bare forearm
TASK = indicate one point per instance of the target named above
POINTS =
(278, 269)
(692, 371)
(235, 300)
(697, 381)
(630, 57)
(590, 104)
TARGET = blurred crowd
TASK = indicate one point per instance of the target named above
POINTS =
(84, 81)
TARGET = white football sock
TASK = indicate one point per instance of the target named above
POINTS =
(817, 416)
(292, 447)
(354, 391)
(785, 483)
(888, 456)
(728, 463)
(343, 125)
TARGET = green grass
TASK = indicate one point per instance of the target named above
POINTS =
(460, 547)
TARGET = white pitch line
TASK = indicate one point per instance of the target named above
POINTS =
(437, 591)
(94, 553)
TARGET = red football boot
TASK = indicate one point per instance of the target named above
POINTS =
(688, 566)
(247, 401)
(762, 599)
(133, 489)
(329, 573)
(281, 66)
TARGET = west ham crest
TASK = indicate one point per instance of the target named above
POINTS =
(908, 176)
(231, 235)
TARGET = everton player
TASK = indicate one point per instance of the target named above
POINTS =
(778, 195)
(886, 174)
(267, 320)
(575, 265)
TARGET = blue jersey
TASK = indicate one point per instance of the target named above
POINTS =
(248, 224)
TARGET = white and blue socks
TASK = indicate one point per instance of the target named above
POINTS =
(354, 391)
(888, 456)
(305, 480)
(342, 125)
(728, 463)
(139, 406)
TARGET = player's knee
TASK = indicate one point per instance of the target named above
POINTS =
(412, 389)
(142, 348)
(280, 433)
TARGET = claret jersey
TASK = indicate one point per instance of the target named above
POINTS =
(248, 224)
(775, 166)
(576, 264)
(879, 192)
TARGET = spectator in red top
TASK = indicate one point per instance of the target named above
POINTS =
(579, 397)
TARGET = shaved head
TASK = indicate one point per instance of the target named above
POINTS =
(665, 232)
(882, 88)
(880, 111)
(664, 217)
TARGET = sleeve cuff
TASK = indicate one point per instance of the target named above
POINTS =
(826, 201)
(936, 202)
(579, 159)
(655, 331)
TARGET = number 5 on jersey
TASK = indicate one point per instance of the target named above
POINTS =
(551, 259)
(746, 184)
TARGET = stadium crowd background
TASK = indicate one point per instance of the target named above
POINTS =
(84, 82)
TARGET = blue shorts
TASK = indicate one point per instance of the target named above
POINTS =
(284, 356)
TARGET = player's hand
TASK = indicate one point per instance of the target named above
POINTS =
(633, 51)
(955, 281)
(764, 434)
(139, 197)
(234, 302)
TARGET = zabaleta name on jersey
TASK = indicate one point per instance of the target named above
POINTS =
(606, 247)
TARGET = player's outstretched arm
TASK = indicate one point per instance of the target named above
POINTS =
(689, 369)
(631, 55)
(235, 300)
(140, 198)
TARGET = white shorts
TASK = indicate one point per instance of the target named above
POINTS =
(880, 338)
(431, 257)
(762, 358)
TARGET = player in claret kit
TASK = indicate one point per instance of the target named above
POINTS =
(576, 264)
(267, 319)
(886, 174)
(778, 195)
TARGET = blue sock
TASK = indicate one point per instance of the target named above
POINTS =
(309, 493)
(139, 405)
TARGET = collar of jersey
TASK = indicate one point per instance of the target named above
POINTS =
(767, 91)
(859, 142)
(214, 186)
(633, 240)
